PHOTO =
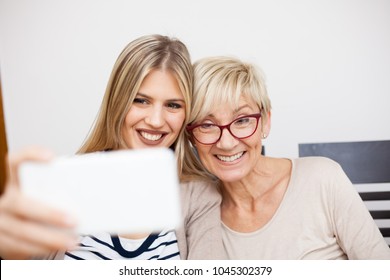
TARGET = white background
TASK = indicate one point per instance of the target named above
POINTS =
(327, 62)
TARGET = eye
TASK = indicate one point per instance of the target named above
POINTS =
(174, 105)
(242, 121)
(140, 100)
(207, 127)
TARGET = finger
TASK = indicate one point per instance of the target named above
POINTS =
(22, 238)
(29, 154)
(14, 248)
(16, 203)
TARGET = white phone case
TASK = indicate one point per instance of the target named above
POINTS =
(118, 192)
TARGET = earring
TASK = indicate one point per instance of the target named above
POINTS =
(264, 136)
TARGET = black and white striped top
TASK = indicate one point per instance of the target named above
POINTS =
(160, 246)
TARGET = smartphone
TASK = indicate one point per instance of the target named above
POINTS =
(118, 192)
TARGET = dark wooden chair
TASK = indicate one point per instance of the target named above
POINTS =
(367, 165)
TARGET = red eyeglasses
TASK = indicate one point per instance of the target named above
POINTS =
(240, 128)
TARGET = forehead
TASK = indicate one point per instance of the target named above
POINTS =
(229, 106)
(161, 84)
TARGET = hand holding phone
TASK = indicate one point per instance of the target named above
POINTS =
(118, 192)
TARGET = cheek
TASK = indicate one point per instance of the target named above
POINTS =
(204, 155)
(130, 118)
(255, 140)
(254, 147)
(125, 131)
(126, 123)
(176, 122)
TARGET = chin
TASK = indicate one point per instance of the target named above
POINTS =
(230, 177)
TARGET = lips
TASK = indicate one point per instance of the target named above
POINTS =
(230, 158)
(150, 137)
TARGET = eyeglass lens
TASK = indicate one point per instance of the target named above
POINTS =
(240, 128)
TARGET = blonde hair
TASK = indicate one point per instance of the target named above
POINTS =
(221, 80)
(134, 63)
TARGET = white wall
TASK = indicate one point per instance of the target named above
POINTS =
(327, 62)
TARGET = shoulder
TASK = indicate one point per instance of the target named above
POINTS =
(319, 171)
(316, 165)
(316, 162)
(198, 187)
(199, 196)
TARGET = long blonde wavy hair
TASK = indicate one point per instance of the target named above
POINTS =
(135, 62)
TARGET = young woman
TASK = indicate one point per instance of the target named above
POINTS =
(146, 104)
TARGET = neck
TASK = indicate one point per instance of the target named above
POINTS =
(134, 235)
(252, 187)
(250, 203)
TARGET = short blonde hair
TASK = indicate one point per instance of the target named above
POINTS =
(134, 63)
(221, 80)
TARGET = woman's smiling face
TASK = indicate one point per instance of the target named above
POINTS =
(231, 159)
(157, 114)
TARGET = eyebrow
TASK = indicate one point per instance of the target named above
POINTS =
(171, 100)
(235, 111)
(242, 107)
(143, 94)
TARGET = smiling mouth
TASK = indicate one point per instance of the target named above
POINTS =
(230, 158)
(151, 137)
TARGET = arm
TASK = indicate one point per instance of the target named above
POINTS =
(200, 238)
(28, 228)
(356, 231)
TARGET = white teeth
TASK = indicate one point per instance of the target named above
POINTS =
(231, 158)
(151, 137)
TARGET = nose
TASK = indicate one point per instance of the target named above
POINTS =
(155, 117)
(227, 140)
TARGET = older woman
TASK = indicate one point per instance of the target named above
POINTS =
(272, 208)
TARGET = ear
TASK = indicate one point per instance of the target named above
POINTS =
(267, 125)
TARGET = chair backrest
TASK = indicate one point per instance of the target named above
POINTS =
(367, 165)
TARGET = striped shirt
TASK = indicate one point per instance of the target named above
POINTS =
(160, 246)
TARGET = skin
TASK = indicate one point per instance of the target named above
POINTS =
(155, 118)
(157, 114)
(29, 228)
(231, 159)
(253, 185)
(22, 220)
